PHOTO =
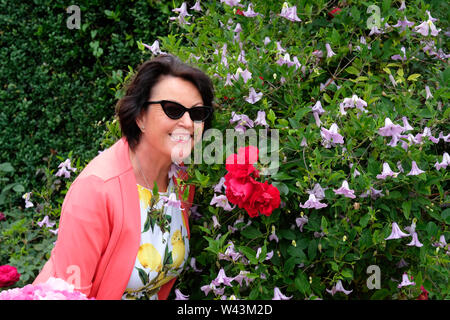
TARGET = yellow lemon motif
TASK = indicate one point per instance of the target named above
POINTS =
(177, 249)
(149, 257)
(144, 195)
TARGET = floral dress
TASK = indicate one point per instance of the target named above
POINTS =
(164, 245)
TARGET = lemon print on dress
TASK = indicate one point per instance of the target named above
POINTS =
(144, 195)
(149, 257)
(177, 249)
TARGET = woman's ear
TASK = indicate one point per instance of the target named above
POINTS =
(140, 120)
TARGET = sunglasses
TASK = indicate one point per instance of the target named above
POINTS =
(175, 110)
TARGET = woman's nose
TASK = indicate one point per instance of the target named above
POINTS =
(186, 120)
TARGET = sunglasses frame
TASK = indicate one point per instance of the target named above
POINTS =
(189, 110)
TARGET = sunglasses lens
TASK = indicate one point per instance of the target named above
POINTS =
(199, 113)
(173, 110)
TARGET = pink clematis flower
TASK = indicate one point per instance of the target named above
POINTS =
(26, 197)
(47, 222)
(414, 170)
(230, 253)
(318, 108)
(231, 3)
(415, 241)
(405, 281)
(313, 203)
(289, 13)
(330, 52)
(352, 102)
(220, 185)
(64, 169)
(243, 121)
(196, 6)
(277, 295)
(216, 223)
(427, 28)
(402, 6)
(182, 13)
(390, 129)
(194, 265)
(444, 163)
(253, 97)
(222, 279)
(331, 135)
(428, 93)
(317, 191)
(403, 24)
(345, 191)
(180, 296)
(250, 13)
(171, 200)
(300, 222)
(338, 288)
(400, 57)
(406, 126)
(387, 172)
(373, 193)
(154, 48)
(222, 202)
(396, 233)
(261, 119)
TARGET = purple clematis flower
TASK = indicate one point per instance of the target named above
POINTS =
(405, 281)
(427, 28)
(317, 191)
(403, 24)
(243, 276)
(250, 13)
(230, 253)
(396, 233)
(277, 295)
(222, 279)
(444, 163)
(180, 296)
(196, 6)
(273, 235)
(246, 75)
(402, 6)
(26, 197)
(220, 185)
(374, 193)
(216, 223)
(387, 172)
(182, 13)
(414, 170)
(301, 222)
(330, 52)
(253, 97)
(64, 169)
(154, 48)
(331, 135)
(338, 288)
(194, 266)
(47, 222)
(428, 93)
(318, 108)
(261, 119)
(313, 203)
(415, 241)
(442, 243)
(352, 102)
(390, 129)
(406, 126)
(243, 121)
(222, 202)
(289, 13)
(345, 190)
(399, 57)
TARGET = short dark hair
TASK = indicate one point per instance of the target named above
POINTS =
(129, 107)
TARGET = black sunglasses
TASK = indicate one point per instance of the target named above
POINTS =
(174, 110)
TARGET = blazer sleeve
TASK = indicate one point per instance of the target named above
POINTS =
(83, 235)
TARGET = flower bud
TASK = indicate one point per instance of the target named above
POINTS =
(356, 205)
(294, 243)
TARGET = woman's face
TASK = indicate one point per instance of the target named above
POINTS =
(172, 139)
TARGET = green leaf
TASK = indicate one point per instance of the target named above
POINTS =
(431, 229)
(6, 167)
(143, 275)
(352, 70)
(312, 249)
(446, 215)
(251, 232)
(380, 294)
(301, 282)
(364, 220)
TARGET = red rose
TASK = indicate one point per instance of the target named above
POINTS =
(241, 164)
(239, 189)
(2, 216)
(8, 276)
(240, 12)
(264, 200)
(423, 295)
(334, 12)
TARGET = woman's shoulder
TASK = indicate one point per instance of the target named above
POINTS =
(109, 163)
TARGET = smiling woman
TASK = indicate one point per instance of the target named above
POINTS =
(124, 230)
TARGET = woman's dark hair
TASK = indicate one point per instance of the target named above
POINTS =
(130, 106)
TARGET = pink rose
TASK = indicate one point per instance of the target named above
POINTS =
(8, 275)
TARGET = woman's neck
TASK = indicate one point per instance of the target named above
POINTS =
(150, 169)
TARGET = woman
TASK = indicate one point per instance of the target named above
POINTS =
(117, 239)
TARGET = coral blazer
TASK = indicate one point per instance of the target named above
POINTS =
(99, 230)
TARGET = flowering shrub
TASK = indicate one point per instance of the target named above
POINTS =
(360, 100)
(359, 97)
(53, 289)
